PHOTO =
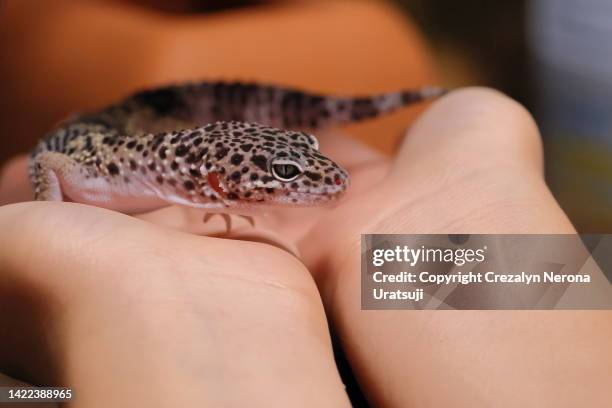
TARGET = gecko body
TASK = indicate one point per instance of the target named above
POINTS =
(217, 146)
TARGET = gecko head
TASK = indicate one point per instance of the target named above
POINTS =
(265, 165)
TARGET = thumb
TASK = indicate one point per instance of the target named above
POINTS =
(472, 127)
(474, 162)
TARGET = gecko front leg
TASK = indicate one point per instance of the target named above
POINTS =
(48, 169)
(59, 177)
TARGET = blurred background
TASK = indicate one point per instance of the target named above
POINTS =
(554, 56)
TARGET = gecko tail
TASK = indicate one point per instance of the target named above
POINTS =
(277, 106)
(422, 94)
(356, 109)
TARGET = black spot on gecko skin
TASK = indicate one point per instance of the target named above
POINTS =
(159, 179)
(113, 170)
(363, 108)
(221, 152)
(157, 141)
(162, 153)
(174, 166)
(254, 177)
(236, 159)
(131, 144)
(181, 150)
(192, 158)
(133, 165)
(88, 144)
(189, 185)
(260, 161)
(246, 147)
(163, 101)
(312, 176)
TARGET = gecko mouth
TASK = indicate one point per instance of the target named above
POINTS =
(323, 194)
(305, 199)
(291, 199)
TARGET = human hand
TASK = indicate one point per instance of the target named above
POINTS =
(471, 164)
(127, 313)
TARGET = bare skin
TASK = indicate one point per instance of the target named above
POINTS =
(145, 310)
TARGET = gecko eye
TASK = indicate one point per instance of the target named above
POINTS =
(285, 170)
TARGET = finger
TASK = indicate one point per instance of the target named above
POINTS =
(472, 126)
(119, 299)
(480, 153)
